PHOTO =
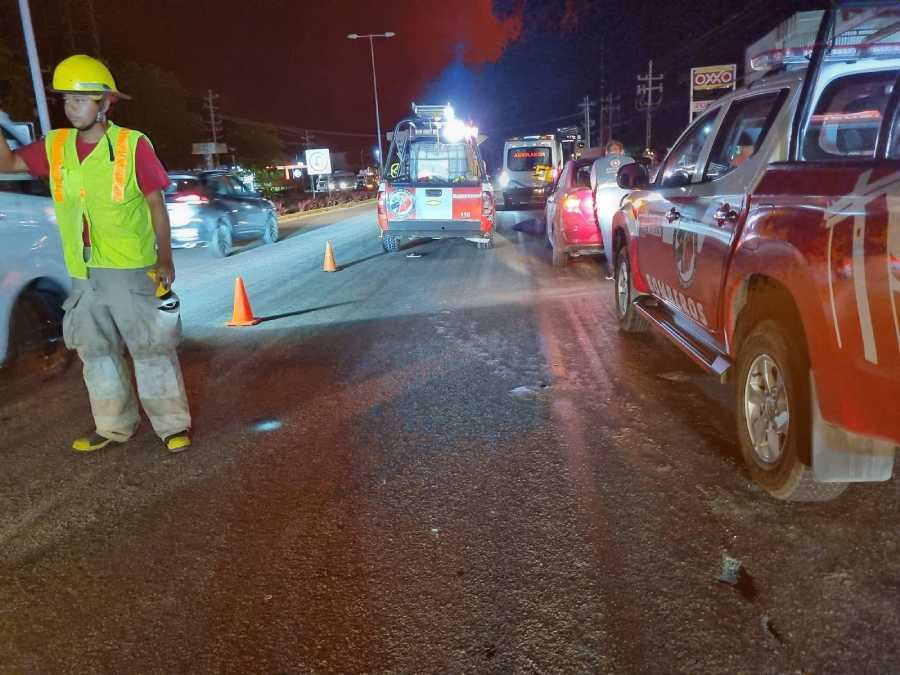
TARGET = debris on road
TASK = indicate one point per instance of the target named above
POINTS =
(734, 574)
(675, 376)
(730, 570)
(529, 391)
(770, 630)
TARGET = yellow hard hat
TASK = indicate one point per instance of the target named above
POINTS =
(85, 75)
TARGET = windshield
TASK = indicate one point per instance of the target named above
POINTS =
(527, 159)
(435, 162)
(182, 185)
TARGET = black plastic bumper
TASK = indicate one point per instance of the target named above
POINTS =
(414, 229)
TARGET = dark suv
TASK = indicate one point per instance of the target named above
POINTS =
(214, 208)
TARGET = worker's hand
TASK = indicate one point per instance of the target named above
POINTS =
(165, 273)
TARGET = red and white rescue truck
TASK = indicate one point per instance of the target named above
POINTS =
(436, 185)
(768, 249)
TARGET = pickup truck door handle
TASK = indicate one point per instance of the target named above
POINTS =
(725, 214)
(673, 215)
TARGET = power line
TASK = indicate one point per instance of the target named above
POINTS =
(536, 123)
(298, 131)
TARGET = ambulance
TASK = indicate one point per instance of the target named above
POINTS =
(530, 167)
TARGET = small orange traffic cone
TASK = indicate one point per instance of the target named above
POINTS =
(330, 265)
(242, 315)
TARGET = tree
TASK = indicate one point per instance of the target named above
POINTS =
(16, 97)
(255, 144)
(160, 108)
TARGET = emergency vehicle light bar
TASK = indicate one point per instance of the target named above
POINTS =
(858, 33)
(434, 113)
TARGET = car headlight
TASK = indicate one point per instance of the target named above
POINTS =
(504, 179)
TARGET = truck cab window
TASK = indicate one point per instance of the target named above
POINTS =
(848, 116)
(742, 133)
(682, 161)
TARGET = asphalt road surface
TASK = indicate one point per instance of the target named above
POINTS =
(439, 460)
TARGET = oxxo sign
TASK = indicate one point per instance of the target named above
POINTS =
(709, 83)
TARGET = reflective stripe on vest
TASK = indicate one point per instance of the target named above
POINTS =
(118, 185)
(57, 154)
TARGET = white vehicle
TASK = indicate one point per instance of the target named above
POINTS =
(530, 166)
(33, 277)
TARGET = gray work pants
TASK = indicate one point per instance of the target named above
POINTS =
(114, 308)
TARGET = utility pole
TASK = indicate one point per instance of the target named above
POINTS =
(651, 87)
(215, 124)
(586, 106)
(609, 105)
(306, 146)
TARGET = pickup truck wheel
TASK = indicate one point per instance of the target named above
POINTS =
(629, 319)
(220, 242)
(774, 417)
(390, 244)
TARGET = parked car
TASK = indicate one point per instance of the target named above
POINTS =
(437, 185)
(33, 277)
(768, 250)
(572, 229)
(214, 209)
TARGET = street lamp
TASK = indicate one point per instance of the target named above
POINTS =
(372, 36)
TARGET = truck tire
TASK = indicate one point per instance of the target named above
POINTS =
(630, 321)
(774, 414)
(390, 243)
(220, 242)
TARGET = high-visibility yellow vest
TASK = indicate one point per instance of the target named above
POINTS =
(103, 190)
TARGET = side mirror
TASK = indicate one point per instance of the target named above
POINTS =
(679, 178)
(633, 177)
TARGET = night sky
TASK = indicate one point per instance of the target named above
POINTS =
(512, 66)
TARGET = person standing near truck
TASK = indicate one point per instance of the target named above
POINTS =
(106, 183)
(607, 194)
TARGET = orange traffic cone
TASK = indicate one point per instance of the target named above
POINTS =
(242, 315)
(330, 265)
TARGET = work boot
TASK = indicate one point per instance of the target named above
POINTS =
(178, 442)
(92, 441)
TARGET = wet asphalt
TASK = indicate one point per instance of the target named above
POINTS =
(439, 460)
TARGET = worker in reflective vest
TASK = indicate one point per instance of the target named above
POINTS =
(107, 187)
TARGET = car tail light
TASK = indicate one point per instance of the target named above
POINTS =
(380, 208)
(192, 198)
(487, 205)
(572, 203)
(580, 202)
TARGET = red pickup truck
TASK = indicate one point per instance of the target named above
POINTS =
(768, 249)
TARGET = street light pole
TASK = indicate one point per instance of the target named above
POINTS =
(372, 36)
(34, 64)
(377, 113)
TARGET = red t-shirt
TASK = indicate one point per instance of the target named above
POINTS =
(149, 171)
